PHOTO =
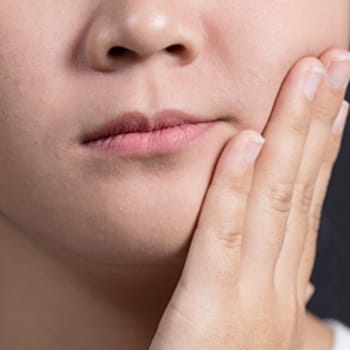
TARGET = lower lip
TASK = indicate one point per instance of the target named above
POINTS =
(141, 144)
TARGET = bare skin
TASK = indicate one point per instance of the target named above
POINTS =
(91, 250)
(230, 194)
(235, 291)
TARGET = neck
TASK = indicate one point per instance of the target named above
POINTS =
(47, 302)
(51, 302)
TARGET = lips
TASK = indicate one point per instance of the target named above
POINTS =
(137, 122)
(133, 135)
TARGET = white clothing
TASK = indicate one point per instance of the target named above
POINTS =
(341, 335)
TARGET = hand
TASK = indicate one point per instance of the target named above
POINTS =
(244, 281)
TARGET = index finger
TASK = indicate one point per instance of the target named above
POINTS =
(212, 264)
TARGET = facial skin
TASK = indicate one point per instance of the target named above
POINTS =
(57, 82)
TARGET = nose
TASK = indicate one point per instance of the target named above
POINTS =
(139, 30)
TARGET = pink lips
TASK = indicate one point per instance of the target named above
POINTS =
(134, 135)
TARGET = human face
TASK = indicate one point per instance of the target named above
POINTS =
(58, 81)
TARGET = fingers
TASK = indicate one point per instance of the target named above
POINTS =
(321, 185)
(329, 158)
(276, 171)
(326, 106)
(213, 260)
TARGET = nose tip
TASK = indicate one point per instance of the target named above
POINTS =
(147, 36)
(141, 35)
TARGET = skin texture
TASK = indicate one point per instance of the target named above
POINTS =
(78, 231)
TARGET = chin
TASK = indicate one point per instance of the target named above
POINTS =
(139, 240)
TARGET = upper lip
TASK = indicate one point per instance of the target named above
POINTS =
(138, 122)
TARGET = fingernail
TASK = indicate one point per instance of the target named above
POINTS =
(339, 72)
(254, 147)
(312, 81)
(340, 121)
(310, 290)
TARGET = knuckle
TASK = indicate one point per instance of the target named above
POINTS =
(304, 195)
(239, 189)
(298, 120)
(299, 124)
(230, 238)
(280, 197)
(324, 112)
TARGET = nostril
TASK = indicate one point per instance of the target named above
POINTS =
(118, 51)
(177, 48)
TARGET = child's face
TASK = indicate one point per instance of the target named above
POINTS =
(56, 84)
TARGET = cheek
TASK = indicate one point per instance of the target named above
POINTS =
(269, 48)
